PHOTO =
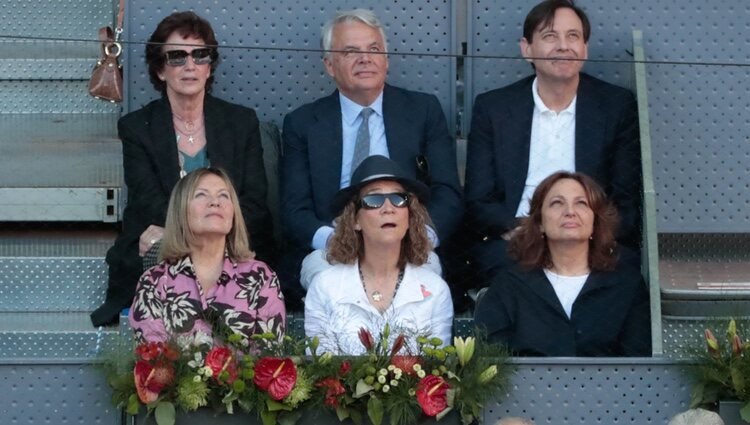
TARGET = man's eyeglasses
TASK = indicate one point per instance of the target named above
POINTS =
(179, 57)
(376, 200)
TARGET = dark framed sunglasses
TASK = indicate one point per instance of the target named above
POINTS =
(376, 200)
(200, 56)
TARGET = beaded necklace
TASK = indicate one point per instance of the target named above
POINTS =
(376, 295)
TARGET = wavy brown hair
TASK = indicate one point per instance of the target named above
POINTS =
(347, 245)
(177, 234)
(529, 246)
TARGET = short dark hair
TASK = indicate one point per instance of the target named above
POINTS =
(188, 25)
(529, 246)
(544, 13)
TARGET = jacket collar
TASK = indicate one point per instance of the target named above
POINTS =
(521, 113)
(538, 283)
(325, 146)
(164, 139)
(591, 127)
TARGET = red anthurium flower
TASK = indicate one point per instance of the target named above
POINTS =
(221, 359)
(365, 337)
(150, 380)
(275, 376)
(406, 363)
(345, 367)
(333, 390)
(431, 394)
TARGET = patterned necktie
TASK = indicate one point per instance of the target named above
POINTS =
(362, 143)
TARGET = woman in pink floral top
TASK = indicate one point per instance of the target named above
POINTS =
(207, 269)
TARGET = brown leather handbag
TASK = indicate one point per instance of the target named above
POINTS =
(106, 79)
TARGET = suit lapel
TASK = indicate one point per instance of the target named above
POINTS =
(521, 112)
(542, 288)
(218, 150)
(590, 126)
(396, 122)
(597, 280)
(164, 142)
(326, 147)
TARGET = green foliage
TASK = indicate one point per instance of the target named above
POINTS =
(722, 368)
(165, 413)
(191, 394)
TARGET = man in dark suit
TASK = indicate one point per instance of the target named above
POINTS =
(557, 119)
(322, 142)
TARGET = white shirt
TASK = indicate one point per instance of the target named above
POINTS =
(567, 288)
(336, 307)
(551, 148)
(350, 122)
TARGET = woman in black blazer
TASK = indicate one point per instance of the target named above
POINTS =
(568, 296)
(183, 130)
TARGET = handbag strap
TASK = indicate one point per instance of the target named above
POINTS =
(120, 18)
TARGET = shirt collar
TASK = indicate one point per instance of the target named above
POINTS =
(185, 266)
(539, 103)
(350, 109)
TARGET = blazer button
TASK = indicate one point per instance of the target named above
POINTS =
(485, 238)
(579, 332)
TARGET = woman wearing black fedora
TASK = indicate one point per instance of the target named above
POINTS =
(379, 250)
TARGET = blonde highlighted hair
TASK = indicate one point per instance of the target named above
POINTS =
(178, 237)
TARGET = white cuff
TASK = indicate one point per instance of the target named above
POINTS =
(433, 237)
(321, 236)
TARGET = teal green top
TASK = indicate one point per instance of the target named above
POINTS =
(189, 163)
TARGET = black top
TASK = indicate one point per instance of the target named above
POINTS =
(610, 317)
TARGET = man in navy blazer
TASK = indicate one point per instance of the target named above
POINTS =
(319, 138)
(559, 118)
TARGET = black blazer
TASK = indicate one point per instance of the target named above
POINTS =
(607, 148)
(311, 163)
(610, 317)
(152, 169)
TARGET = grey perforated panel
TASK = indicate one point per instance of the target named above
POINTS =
(44, 18)
(276, 82)
(52, 284)
(51, 97)
(684, 334)
(55, 394)
(699, 114)
(638, 391)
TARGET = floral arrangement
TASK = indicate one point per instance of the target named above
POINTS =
(228, 374)
(722, 371)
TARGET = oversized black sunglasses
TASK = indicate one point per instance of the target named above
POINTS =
(376, 200)
(200, 56)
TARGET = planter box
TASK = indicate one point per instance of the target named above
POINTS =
(323, 417)
(730, 413)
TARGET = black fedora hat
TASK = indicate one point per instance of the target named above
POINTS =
(373, 168)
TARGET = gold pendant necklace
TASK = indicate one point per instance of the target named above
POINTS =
(376, 295)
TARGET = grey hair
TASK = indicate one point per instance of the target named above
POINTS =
(696, 417)
(514, 421)
(364, 16)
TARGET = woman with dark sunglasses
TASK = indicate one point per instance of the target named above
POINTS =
(379, 250)
(184, 130)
